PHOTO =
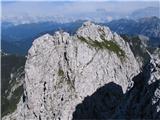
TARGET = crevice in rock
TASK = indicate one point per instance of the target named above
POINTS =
(35, 114)
(69, 81)
(28, 106)
(44, 89)
(62, 98)
(24, 98)
(65, 57)
(76, 52)
(39, 117)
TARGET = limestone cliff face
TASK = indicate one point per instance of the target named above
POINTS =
(61, 70)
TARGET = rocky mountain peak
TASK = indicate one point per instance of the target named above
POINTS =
(62, 70)
(95, 32)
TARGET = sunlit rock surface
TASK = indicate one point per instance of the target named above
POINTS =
(62, 70)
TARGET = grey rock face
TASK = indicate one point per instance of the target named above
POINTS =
(61, 70)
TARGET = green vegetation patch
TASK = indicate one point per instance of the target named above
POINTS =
(105, 44)
(11, 105)
(61, 72)
(10, 64)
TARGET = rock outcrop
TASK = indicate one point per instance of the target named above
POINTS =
(62, 70)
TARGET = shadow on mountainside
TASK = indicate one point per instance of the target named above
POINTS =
(109, 102)
(101, 104)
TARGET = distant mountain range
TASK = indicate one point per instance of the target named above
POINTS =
(17, 39)
(145, 12)
(99, 15)
(148, 26)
